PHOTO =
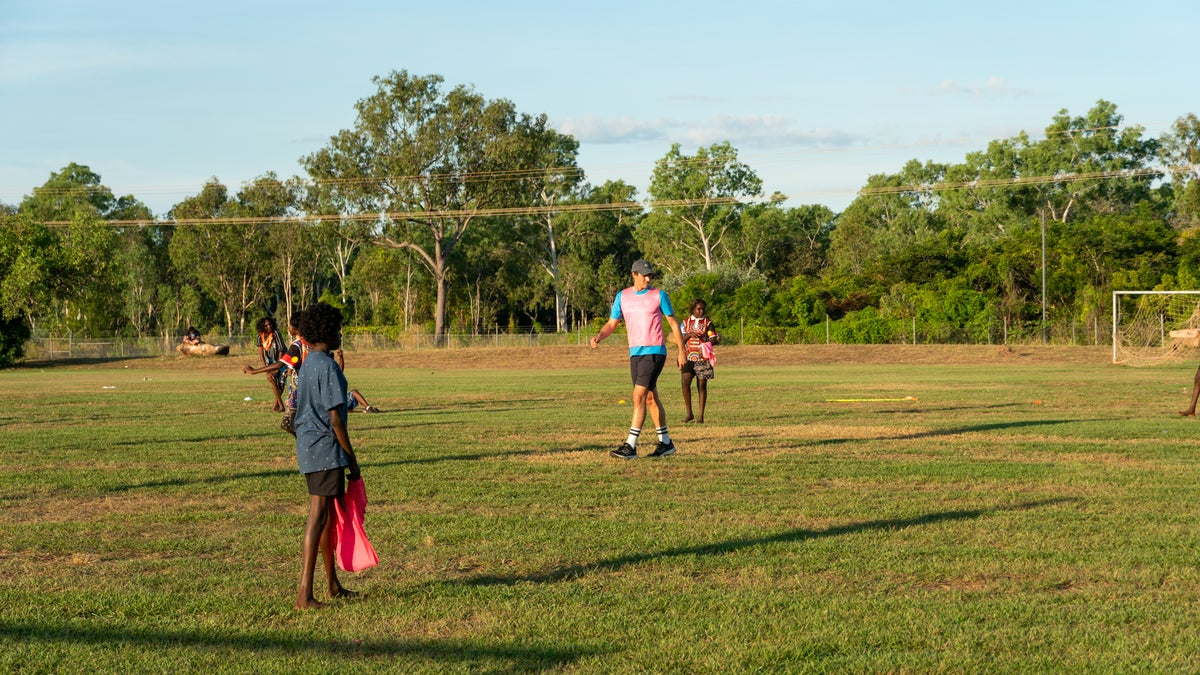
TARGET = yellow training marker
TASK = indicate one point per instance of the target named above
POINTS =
(868, 400)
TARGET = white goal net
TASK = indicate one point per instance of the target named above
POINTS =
(1151, 327)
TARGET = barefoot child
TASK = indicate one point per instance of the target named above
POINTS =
(323, 450)
(270, 349)
(284, 370)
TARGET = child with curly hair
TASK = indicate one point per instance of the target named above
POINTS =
(323, 450)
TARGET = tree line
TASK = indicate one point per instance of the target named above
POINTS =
(441, 210)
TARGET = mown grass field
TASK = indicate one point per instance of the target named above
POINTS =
(151, 522)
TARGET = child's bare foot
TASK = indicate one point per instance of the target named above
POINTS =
(310, 603)
(700, 421)
(689, 418)
(1188, 413)
(343, 593)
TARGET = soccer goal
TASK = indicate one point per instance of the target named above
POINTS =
(1151, 327)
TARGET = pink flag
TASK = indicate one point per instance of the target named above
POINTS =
(351, 548)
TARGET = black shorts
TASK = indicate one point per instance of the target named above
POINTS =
(645, 370)
(328, 483)
(701, 369)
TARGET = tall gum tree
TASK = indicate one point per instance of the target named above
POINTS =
(696, 200)
(423, 164)
(1179, 150)
(91, 271)
(555, 181)
(228, 243)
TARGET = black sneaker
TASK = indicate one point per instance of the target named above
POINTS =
(626, 451)
(663, 449)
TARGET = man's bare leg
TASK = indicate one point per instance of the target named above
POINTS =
(657, 413)
(640, 395)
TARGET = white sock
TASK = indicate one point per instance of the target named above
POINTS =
(633, 436)
(662, 436)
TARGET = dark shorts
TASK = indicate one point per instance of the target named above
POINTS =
(329, 483)
(701, 369)
(645, 370)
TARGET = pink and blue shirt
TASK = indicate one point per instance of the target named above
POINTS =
(642, 311)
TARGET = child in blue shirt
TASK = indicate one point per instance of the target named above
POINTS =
(323, 449)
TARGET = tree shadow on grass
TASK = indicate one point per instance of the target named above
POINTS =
(789, 537)
(515, 656)
(955, 431)
(367, 468)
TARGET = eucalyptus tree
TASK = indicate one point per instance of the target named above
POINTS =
(227, 243)
(601, 246)
(422, 165)
(1088, 164)
(1179, 149)
(90, 272)
(782, 242)
(553, 180)
(75, 190)
(383, 282)
(696, 204)
(892, 213)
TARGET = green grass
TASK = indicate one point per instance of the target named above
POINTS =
(155, 526)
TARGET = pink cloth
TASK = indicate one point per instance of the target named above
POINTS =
(643, 317)
(351, 548)
(707, 353)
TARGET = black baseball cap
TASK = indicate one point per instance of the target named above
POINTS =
(643, 268)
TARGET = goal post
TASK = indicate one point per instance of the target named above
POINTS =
(1150, 327)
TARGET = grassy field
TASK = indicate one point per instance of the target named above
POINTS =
(1016, 517)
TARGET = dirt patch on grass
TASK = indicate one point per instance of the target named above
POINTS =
(612, 356)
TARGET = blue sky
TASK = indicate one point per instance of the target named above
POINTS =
(157, 97)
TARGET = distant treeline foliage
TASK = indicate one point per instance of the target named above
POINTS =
(443, 211)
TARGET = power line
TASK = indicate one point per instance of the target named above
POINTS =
(416, 215)
(431, 214)
(1012, 182)
(515, 174)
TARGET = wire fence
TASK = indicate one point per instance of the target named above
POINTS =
(69, 345)
(46, 346)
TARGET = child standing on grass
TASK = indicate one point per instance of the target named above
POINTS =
(323, 450)
(285, 371)
(270, 348)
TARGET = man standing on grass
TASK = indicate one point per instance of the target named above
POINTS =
(643, 308)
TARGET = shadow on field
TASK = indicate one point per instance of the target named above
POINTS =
(484, 403)
(955, 431)
(516, 657)
(280, 473)
(719, 548)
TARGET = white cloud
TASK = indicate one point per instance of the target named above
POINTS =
(764, 131)
(761, 131)
(621, 130)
